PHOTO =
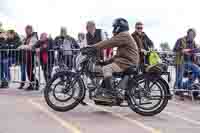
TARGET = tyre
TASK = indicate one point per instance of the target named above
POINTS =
(139, 92)
(64, 91)
(195, 86)
(195, 94)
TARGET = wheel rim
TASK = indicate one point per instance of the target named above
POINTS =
(60, 99)
(147, 99)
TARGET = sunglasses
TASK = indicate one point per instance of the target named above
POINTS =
(139, 28)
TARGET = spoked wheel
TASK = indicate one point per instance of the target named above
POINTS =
(64, 91)
(195, 86)
(148, 97)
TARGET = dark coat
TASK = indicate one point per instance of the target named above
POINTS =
(91, 40)
(143, 42)
(9, 47)
(3, 54)
(60, 40)
(13, 44)
(49, 50)
(28, 55)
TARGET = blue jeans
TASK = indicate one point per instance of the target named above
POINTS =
(23, 72)
(194, 68)
(179, 74)
(5, 68)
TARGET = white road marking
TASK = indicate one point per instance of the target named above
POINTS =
(135, 122)
(67, 125)
(182, 117)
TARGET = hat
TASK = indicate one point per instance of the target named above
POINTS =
(138, 23)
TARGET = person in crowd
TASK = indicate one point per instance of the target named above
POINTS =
(1, 27)
(94, 36)
(143, 42)
(13, 41)
(185, 49)
(108, 53)
(3, 57)
(28, 56)
(46, 54)
(66, 44)
(82, 42)
(127, 55)
(22, 63)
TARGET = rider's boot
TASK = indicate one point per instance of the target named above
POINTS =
(110, 95)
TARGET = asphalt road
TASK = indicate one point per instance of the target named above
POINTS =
(27, 112)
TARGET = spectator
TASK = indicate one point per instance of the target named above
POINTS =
(108, 53)
(3, 57)
(94, 36)
(22, 63)
(1, 27)
(82, 40)
(143, 42)
(185, 60)
(13, 42)
(66, 44)
(30, 41)
(45, 47)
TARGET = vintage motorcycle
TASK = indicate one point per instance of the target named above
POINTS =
(145, 93)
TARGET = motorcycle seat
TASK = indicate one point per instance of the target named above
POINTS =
(132, 70)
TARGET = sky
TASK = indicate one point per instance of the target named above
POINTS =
(164, 20)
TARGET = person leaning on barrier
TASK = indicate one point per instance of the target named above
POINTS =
(185, 48)
(46, 54)
(8, 55)
(143, 42)
(21, 62)
(3, 57)
(82, 42)
(13, 41)
(28, 56)
(66, 45)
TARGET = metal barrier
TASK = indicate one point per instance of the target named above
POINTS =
(30, 67)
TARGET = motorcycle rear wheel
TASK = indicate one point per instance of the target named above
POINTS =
(145, 111)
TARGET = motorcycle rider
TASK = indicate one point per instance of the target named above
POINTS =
(127, 55)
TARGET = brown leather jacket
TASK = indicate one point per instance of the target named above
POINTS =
(127, 50)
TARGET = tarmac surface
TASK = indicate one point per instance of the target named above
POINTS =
(27, 112)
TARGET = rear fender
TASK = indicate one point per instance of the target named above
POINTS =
(154, 76)
(150, 76)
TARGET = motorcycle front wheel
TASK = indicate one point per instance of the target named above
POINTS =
(64, 91)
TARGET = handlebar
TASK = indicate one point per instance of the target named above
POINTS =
(89, 51)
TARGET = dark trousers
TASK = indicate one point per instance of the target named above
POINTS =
(30, 67)
(23, 72)
(47, 70)
(68, 60)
